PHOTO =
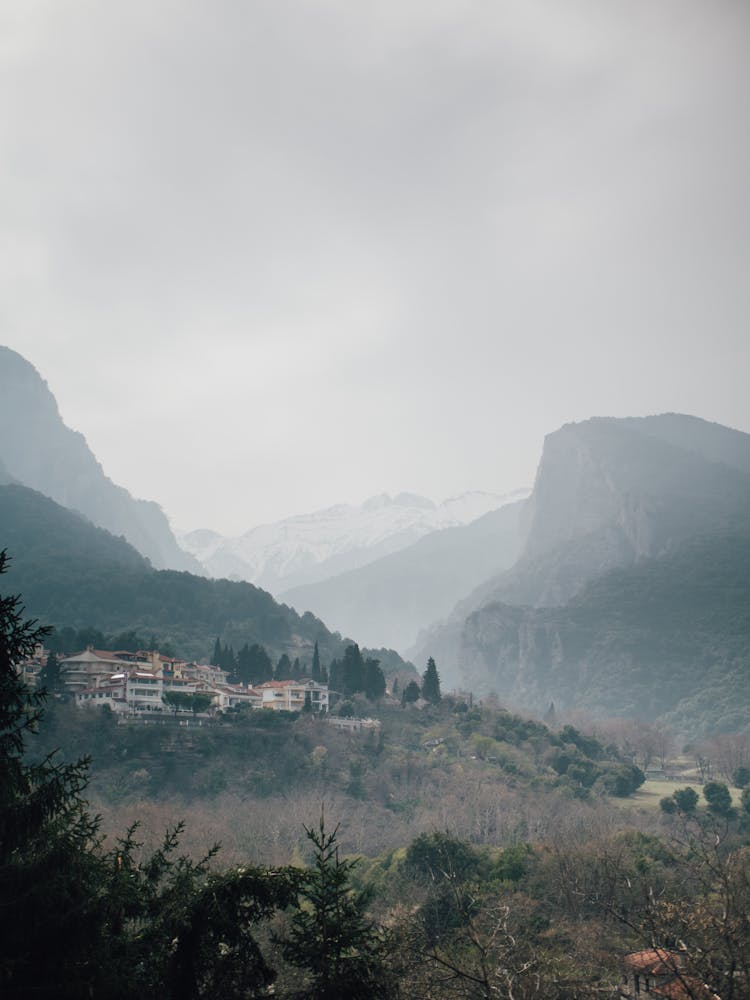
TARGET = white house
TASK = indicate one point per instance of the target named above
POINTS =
(292, 696)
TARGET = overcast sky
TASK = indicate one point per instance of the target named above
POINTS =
(275, 255)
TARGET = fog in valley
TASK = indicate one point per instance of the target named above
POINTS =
(374, 500)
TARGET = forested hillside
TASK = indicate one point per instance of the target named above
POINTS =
(614, 501)
(74, 574)
(667, 638)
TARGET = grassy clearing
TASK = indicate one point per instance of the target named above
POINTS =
(650, 793)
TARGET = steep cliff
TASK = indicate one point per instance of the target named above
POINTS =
(38, 450)
(608, 493)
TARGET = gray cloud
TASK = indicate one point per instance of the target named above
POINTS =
(272, 255)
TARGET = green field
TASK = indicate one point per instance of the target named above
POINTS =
(651, 792)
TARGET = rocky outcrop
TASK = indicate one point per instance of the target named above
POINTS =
(608, 494)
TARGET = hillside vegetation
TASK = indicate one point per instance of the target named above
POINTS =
(668, 638)
(75, 575)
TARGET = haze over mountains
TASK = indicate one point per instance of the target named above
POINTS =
(399, 594)
(312, 547)
(620, 585)
(38, 450)
(73, 574)
(623, 516)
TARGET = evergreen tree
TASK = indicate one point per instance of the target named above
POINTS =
(719, 798)
(316, 671)
(49, 675)
(431, 683)
(261, 667)
(216, 655)
(244, 664)
(394, 689)
(48, 878)
(354, 670)
(374, 680)
(77, 922)
(336, 677)
(283, 668)
(228, 660)
(330, 937)
(410, 693)
(296, 668)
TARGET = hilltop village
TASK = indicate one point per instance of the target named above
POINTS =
(147, 682)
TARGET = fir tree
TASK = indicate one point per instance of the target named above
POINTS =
(330, 937)
(431, 683)
(46, 840)
(410, 693)
(216, 656)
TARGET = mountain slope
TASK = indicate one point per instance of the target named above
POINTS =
(72, 573)
(666, 638)
(391, 599)
(325, 543)
(38, 450)
(609, 493)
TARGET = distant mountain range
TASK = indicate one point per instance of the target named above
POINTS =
(621, 584)
(39, 451)
(312, 547)
(390, 599)
(623, 515)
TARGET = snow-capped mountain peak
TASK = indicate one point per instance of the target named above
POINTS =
(310, 547)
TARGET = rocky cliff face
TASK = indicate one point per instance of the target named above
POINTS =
(38, 450)
(611, 492)
(608, 494)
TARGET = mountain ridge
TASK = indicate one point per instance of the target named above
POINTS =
(307, 548)
(396, 595)
(39, 450)
(608, 494)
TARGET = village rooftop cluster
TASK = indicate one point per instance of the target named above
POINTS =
(147, 681)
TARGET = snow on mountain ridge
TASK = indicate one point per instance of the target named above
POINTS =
(313, 546)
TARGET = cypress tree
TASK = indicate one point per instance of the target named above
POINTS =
(316, 671)
(49, 675)
(431, 683)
